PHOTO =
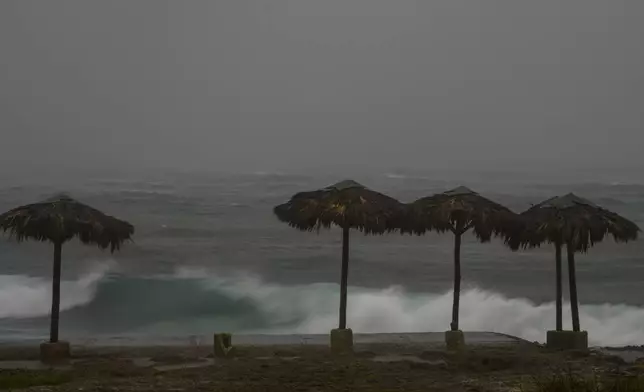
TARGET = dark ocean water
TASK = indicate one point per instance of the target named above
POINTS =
(210, 256)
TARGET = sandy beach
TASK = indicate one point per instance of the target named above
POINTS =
(409, 362)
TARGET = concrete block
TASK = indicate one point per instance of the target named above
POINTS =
(223, 345)
(454, 340)
(567, 340)
(55, 353)
(342, 341)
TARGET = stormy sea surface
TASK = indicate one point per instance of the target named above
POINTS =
(210, 256)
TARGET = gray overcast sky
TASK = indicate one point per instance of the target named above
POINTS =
(266, 85)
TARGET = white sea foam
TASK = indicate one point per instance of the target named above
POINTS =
(313, 308)
(395, 310)
(24, 296)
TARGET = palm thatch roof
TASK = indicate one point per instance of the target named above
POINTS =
(459, 210)
(62, 218)
(346, 204)
(571, 219)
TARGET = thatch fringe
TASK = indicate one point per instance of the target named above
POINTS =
(346, 204)
(572, 220)
(458, 211)
(62, 218)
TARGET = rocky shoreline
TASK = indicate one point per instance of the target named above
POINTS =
(408, 366)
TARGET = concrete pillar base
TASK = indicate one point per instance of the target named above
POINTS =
(455, 340)
(55, 353)
(567, 340)
(341, 341)
(223, 345)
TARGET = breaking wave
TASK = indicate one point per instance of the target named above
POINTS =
(196, 302)
(24, 296)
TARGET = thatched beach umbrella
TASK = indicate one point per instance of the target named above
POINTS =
(347, 205)
(576, 223)
(457, 211)
(58, 220)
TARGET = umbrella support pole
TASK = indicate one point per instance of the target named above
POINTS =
(572, 278)
(55, 351)
(342, 338)
(457, 281)
(454, 338)
(575, 339)
(55, 294)
(344, 279)
(559, 300)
